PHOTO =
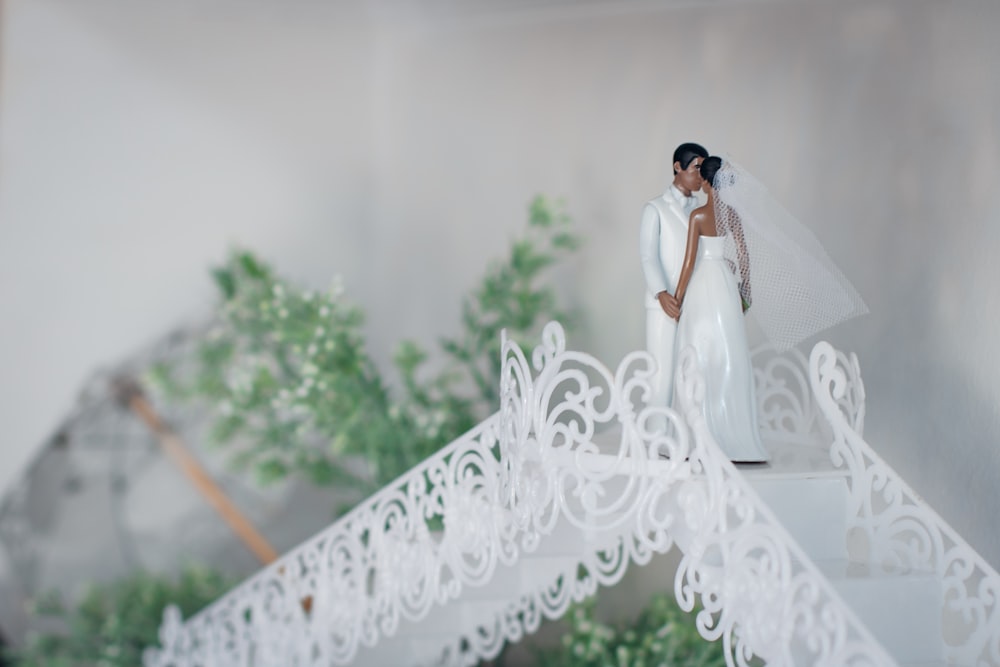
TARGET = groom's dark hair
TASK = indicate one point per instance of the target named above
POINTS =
(687, 152)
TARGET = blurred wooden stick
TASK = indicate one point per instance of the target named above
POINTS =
(130, 394)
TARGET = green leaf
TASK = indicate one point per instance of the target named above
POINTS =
(253, 267)
(409, 356)
(271, 470)
(226, 283)
(540, 213)
(566, 241)
(115, 622)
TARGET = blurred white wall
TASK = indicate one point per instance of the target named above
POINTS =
(139, 141)
(399, 147)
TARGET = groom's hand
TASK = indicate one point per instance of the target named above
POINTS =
(670, 305)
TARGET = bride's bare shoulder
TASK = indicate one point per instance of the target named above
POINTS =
(703, 217)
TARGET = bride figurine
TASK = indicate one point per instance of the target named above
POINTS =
(744, 249)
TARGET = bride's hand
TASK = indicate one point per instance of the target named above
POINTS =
(670, 305)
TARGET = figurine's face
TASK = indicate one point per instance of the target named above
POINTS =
(688, 180)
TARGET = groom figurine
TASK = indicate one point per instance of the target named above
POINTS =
(662, 242)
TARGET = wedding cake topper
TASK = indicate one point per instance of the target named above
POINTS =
(741, 249)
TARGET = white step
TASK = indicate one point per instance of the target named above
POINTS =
(902, 609)
(810, 498)
(421, 642)
(812, 510)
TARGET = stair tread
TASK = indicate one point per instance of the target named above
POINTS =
(789, 460)
(793, 460)
(836, 569)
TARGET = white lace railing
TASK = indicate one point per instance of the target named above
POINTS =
(574, 448)
(899, 530)
(758, 591)
(353, 583)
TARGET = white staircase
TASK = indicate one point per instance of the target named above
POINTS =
(823, 556)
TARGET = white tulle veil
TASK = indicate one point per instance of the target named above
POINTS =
(794, 288)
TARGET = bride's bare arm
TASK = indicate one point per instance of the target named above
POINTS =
(690, 254)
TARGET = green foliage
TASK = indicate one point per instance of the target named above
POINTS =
(297, 392)
(114, 623)
(662, 636)
(284, 367)
(509, 296)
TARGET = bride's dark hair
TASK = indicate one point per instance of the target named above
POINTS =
(709, 168)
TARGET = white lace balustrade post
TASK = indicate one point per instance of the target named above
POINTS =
(898, 529)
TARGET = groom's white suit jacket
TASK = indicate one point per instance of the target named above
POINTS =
(662, 242)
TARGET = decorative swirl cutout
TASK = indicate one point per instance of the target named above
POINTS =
(352, 584)
(759, 592)
(900, 530)
(576, 461)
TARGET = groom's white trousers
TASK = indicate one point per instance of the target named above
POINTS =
(661, 331)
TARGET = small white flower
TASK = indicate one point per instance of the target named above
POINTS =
(336, 286)
(312, 350)
(283, 313)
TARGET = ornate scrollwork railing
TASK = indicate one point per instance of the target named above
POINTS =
(788, 409)
(575, 450)
(758, 592)
(899, 529)
(353, 583)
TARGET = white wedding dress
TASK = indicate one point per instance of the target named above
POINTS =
(712, 322)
